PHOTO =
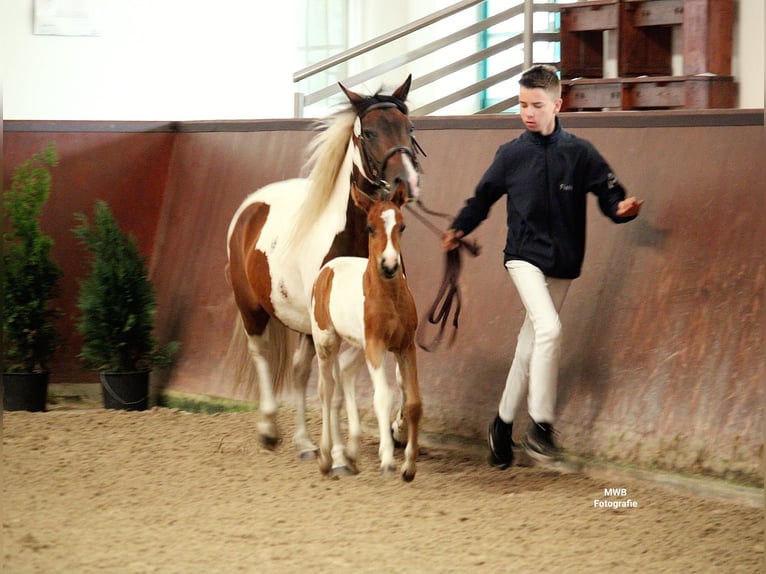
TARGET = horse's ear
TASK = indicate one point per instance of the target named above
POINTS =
(402, 91)
(399, 196)
(361, 199)
(353, 97)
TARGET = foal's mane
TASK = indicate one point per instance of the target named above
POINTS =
(326, 154)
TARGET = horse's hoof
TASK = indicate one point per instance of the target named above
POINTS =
(408, 476)
(269, 442)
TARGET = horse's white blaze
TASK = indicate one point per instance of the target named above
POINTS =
(413, 177)
(390, 256)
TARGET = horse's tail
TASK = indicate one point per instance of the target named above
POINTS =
(281, 341)
(280, 344)
(239, 361)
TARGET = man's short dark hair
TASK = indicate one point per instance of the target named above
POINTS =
(542, 76)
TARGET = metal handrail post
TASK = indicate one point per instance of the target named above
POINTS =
(299, 103)
(528, 32)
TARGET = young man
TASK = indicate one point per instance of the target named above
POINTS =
(545, 174)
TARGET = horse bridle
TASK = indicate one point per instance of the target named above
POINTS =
(373, 169)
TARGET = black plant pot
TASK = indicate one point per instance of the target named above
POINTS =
(25, 391)
(125, 391)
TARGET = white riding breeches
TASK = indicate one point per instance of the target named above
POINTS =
(534, 371)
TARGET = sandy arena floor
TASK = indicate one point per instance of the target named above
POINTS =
(95, 491)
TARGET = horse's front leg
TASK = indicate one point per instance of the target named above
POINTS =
(413, 408)
(302, 370)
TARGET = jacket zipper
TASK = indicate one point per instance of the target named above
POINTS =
(549, 197)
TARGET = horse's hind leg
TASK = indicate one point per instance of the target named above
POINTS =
(267, 404)
(302, 370)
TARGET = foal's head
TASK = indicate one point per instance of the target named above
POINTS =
(385, 225)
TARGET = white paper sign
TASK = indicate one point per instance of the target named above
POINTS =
(67, 18)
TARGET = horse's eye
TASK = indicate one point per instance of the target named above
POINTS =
(370, 134)
(370, 229)
(412, 129)
(402, 227)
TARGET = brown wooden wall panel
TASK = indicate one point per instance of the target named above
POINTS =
(662, 361)
(212, 173)
(127, 169)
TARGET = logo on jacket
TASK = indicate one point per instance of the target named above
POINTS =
(566, 187)
(611, 180)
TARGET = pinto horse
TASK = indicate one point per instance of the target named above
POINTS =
(366, 303)
(283, 233)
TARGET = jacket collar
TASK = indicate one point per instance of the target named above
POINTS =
(545, 140)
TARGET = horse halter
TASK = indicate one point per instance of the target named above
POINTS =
(373, 169)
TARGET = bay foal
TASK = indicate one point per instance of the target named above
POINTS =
(366, 303)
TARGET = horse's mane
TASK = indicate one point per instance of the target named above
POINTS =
(325, 158)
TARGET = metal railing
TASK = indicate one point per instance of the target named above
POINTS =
(526, 38)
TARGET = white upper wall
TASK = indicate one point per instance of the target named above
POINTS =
(173, 60)
(155, 60)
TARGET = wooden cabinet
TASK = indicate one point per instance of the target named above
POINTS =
(582, 37)
(646, 36)
(708, 27)
(646, 31)
(648, 92)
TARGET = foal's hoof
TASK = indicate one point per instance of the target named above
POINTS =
(388, 470)
(398, 435)
(343, 471)
(408, 476)
(307, 454)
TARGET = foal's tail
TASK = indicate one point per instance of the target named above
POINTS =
(278, 342)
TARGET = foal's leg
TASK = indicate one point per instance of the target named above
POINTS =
(413, 408)
(302, 370)
(327, 359)
(399, 426)
(351, 361)
(382, 402)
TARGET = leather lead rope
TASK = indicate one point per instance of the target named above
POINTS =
(449, 290)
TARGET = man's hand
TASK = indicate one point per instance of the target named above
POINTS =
(450, 239)
(626, 208)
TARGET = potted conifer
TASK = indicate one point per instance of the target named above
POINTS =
(30, 280)
(117, 304)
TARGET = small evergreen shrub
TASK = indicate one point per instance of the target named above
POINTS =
(117, 300)
(30, 278)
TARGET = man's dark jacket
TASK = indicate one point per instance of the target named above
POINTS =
(545, 180)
